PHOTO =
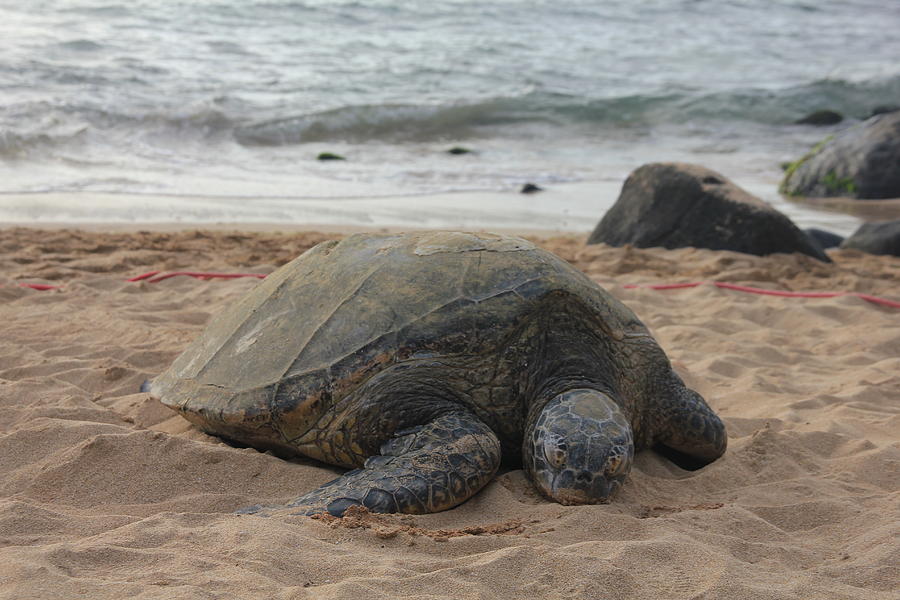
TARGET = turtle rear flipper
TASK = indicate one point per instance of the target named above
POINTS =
(424, 470)
(691, 434)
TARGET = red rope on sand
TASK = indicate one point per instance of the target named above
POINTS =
(765, 292)
(155, 276)
(39, 286)
(877, 300)
(143, 276)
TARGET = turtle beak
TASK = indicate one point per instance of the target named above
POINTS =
(567, 488)
(584, 488)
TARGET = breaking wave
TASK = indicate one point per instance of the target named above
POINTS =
(220, 120)
(401, 123)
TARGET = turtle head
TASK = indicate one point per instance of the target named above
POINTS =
(580, 448)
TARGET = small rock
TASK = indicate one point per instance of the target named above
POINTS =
(821, 117)
(329, 156)
(530, 188)
(459, 150)
(876, 238)
(825, 239)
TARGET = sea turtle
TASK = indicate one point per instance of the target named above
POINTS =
(418, 360)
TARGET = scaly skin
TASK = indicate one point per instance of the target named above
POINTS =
(428, 469)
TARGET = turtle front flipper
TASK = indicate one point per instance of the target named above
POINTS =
(691, 433)
(421, 470)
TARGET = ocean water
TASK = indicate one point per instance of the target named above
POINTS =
(233, 100)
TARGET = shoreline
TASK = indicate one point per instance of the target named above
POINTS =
(561, 209)
(564, 208)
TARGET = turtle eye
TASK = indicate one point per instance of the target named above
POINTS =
(555, 452)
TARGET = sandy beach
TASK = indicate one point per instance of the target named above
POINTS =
(105, 493)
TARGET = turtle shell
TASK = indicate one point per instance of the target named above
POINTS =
(265, 370)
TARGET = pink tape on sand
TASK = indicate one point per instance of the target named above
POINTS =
(156, 276)
(765, 292)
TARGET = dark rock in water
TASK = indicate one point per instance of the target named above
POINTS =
(863, 161)
(825, 239)
(678, 205)
(459, 150)
(881, 110)
(530, 188)
(329, 156)
(876, 238)
(821, 117)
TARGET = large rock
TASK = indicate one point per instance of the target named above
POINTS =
(676, 205)
(862, 161)
(876, 238)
